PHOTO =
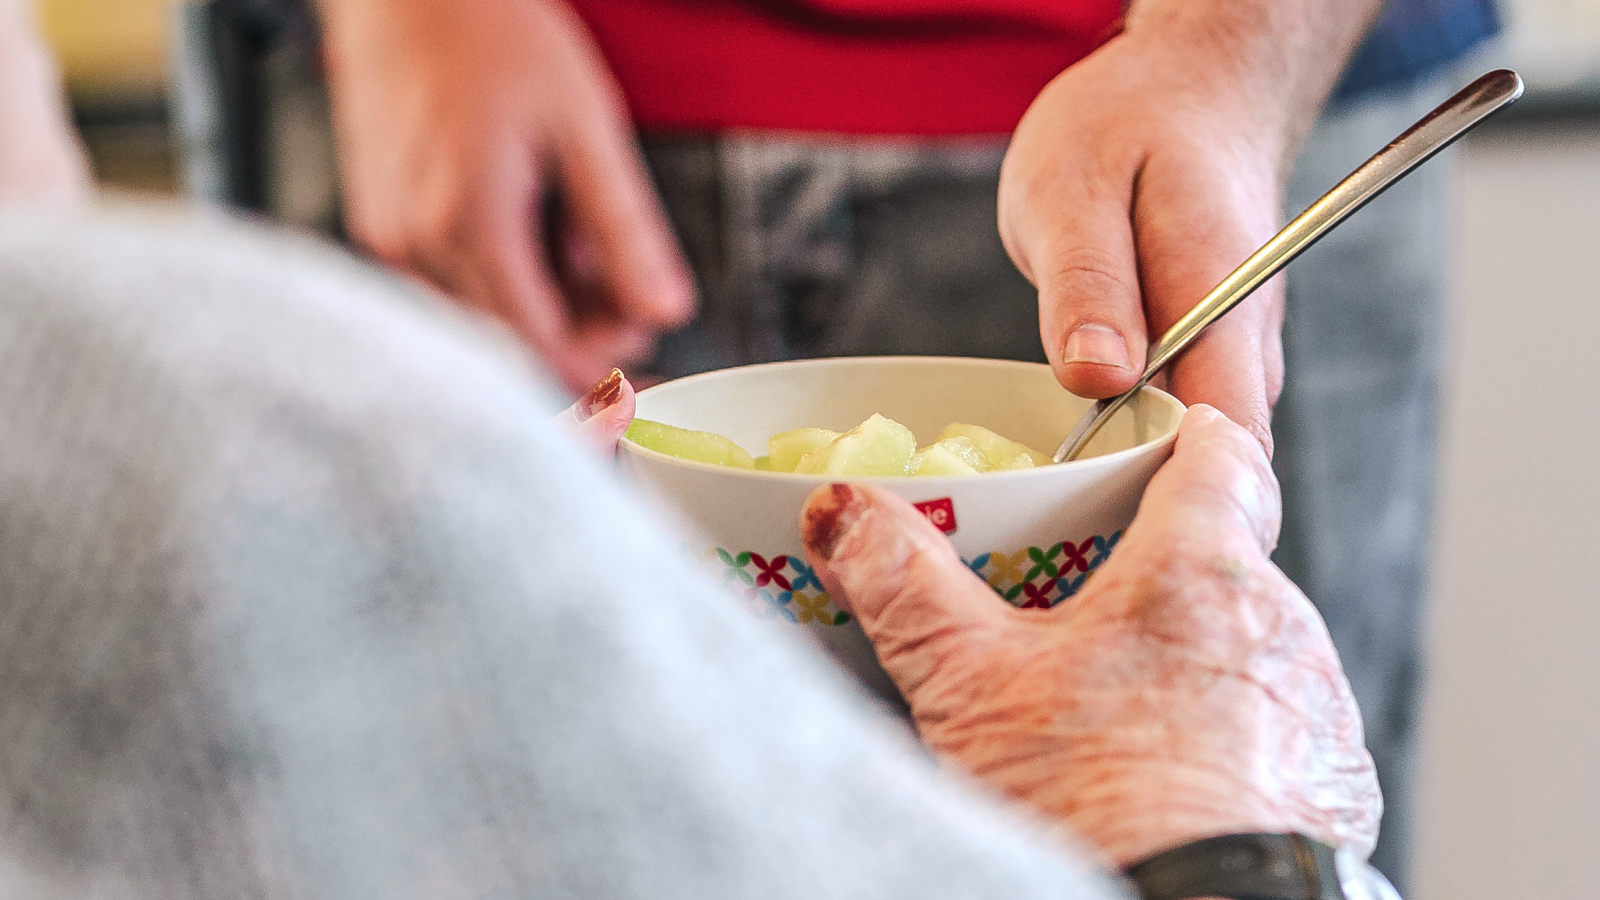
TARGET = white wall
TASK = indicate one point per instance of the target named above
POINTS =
(1511, 771)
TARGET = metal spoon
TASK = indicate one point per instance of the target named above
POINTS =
(1435, 131)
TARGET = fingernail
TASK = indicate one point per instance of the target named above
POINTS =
(1096, 344)
(605, 392)
(828, 518)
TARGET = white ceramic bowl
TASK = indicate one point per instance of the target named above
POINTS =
(1035, 535)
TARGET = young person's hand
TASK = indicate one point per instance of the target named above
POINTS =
(1144, 174)
(1188, 690)
(484, 146)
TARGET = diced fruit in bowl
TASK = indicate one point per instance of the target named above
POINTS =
(952, 457)
(997, 453)
(787, 448)
(877, 446)
(699, 446)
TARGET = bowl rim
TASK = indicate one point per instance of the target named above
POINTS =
(1078, 465)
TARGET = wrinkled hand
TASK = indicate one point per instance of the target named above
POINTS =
(484, 147)
(600, 417)
(1144, 174)
(1188, 690)
(41, 161)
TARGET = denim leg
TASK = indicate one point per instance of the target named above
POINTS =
(827, 248)
(1356, 429)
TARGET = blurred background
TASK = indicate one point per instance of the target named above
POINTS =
(1511, 780)
(115, 57)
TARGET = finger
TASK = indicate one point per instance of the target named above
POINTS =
(509, 270)
(598, 330)
(621, 238)
(500, 265)
(1197, 217)
(901, 578)
(1218, 487)
(471, 231)
(1236, 365)
(612, 342)
(1237, 368)
(1065, 220)
(603, 415)
(583, 346)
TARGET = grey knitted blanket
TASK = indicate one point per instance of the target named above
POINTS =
(302, 597)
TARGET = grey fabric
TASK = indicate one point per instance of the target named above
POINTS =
(1356, 429)
(831, 247)
(302, 597)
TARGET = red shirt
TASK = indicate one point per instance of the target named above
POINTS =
(884, 67)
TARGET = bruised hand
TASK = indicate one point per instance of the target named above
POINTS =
(602, 415)
(1188, 690)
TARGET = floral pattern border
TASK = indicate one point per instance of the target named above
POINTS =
(785, 587)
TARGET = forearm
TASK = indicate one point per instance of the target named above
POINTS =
(1281, 57)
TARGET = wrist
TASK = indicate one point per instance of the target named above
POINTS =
(1132, 824)
(1264, 865)
(1276, 60)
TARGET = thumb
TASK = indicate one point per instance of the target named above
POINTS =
(1218, 489)
(917, 601)
(1065, 219)
(623, 242)
(601, 417)
(1091, 313)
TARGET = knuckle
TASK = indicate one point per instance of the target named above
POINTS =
(440, 228)
(426, 235)
(1091, 275)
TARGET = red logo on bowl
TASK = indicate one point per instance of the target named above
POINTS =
(941, 512)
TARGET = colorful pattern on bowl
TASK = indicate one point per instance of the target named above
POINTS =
(784, 586)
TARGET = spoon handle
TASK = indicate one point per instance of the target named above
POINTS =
(1435, 131)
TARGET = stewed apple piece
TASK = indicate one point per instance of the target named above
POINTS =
(877, 446)
(787, 448)
(996, 453)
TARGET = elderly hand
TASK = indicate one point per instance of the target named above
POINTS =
(1144, 174)
(484, 147)
(600, 417)
(1188, 690)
